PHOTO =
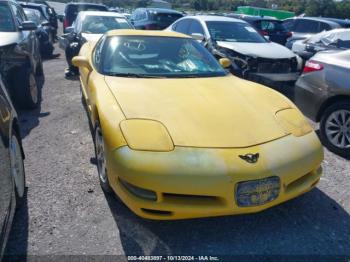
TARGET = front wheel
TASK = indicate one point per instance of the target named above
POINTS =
(335, 128)
(17, 167)
(101, 159)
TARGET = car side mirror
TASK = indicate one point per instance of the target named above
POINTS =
(81, 61)
(60, 17)
(225, 62)
(28, 26)
(69, 29)
(198, 37)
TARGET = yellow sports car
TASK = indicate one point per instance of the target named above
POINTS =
(178, 137)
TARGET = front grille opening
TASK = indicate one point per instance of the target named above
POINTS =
(276, 66)
(192, 199)
(156, 212)
(304, 180)
(138, 191)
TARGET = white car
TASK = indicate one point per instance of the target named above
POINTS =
(253, 56)
(91, 25)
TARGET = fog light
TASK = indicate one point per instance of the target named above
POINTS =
(139, 192)
(257, 192)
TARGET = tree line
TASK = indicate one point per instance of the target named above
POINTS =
(325, 8)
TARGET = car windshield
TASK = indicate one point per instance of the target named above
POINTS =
(102, 24)
(34, 16)
(6, 21)
(234, 32)
(152, 56)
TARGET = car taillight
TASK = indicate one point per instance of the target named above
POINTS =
(65, 23)
(312, 66)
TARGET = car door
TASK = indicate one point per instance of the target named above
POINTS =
(6, 183)
(28, 41)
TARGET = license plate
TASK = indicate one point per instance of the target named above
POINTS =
(257, 192)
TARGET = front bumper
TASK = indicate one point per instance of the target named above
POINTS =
(194, 182)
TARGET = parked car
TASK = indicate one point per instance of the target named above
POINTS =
(43, 31)
(51, 11)
(177, 136)
(268, 27)
(323, 94)
(253, 57)
(154, 18)
(126, 15)
(337, 39)
(12, 176)
(89, 26)
(72, 10)
(20, 60)
(344, 23)
(304, 27)
(46, 12)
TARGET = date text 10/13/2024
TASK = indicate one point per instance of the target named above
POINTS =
(173, 258)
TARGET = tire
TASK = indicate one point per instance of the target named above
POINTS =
(335, 128)
(27, 90)
(47, 51)
(17, 167)
(101, 159)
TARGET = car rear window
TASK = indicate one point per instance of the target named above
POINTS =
(101, 24)
(168, 18)
(73, 10)
(6, 20)
(272, 26)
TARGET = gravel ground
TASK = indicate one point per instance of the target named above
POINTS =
(66, 213)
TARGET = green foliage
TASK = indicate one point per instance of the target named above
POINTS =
(329, 8)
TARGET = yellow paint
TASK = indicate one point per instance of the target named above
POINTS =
(182, 138)
(146, 135)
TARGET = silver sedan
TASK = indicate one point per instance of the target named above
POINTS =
(323, 94)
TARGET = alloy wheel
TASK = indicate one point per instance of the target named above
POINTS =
(338, 128)
(100, 155)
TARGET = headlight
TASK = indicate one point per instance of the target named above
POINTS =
(293, 122)
(146, 135)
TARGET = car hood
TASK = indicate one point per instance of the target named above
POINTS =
(92, 37)
(265, 50)
(218, 112)
(7, 38)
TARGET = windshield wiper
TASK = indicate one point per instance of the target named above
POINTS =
(133, 75)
